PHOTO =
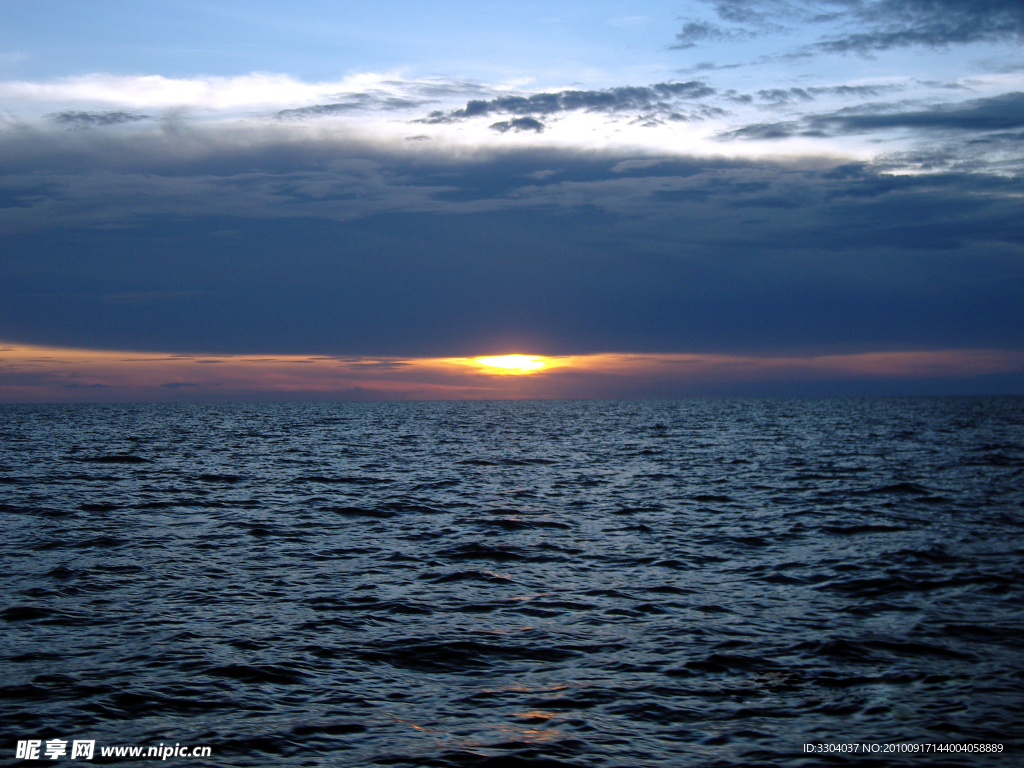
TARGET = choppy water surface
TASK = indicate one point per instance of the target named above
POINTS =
(523, 583)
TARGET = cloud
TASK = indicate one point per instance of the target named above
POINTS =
(744, 20)
(519, 124)
(254, 90)
(610, 100)
(356, 102)
(709, 66)
(94, 119)
(694, 33)
(784, 96)
(862, 26)
(662, 117)
(762, 131)
(289, 241)
(852, 90)
(934, 23)
(549, 222)
(995, 113)
(986, 126)
(757, 12)
(781, 96)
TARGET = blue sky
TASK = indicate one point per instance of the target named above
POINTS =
(595, 43)
(755, 177)
(327, 40)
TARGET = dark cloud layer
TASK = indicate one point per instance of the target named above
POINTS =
(995, 113)
(1001, 113)
(862, 26)
(694, 33)
(519, 124)
(95, 119)
(354, 103)
(902, 23)
(612, 100)
(778, 96)
(271, 243)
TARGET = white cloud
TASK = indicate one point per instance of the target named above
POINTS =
(257, 89)
(388, 108)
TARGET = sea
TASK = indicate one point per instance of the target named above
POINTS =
(516, 584)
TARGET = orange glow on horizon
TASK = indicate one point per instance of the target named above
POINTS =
(513, 364)
(52, 374)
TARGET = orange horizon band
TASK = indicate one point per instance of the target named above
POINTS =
(31, 372)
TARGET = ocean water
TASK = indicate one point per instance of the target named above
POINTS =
(677, 583)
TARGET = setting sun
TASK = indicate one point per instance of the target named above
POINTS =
(513, 363)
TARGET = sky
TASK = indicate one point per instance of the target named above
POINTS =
(208, 201)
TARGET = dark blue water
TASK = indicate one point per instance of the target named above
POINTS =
(707, 583)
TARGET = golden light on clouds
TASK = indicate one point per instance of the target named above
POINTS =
(51, 374)
(513, 364)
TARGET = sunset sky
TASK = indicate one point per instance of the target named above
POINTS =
(332, 200)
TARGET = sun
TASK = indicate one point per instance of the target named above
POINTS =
(515, 364)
